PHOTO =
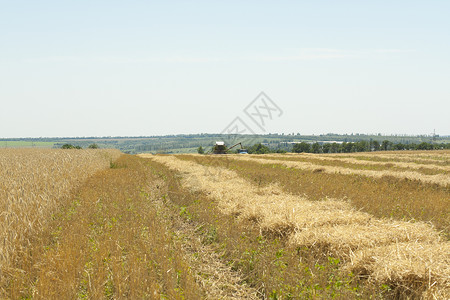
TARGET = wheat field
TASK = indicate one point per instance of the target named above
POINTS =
(98, 224)
(33, 184)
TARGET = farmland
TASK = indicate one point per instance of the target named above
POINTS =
(93, 224)
(25, 143)
(188, 143)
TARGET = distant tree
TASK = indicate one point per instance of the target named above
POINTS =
(316, 148)
(70, 146)
(399, 146)
(301, 147)
(375, 145)
(326, 148)
(386, 145)
(93, 146)
(361, 146)
(412, 146)
(259, 149)
(346, 147)
(425, 146)
(200, 150)
(334, 148)
(280, 151)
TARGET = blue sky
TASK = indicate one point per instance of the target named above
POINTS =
(100, 68)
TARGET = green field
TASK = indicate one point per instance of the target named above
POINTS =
(22, 144)
(188, 143)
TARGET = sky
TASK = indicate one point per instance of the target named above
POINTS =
(139, 68)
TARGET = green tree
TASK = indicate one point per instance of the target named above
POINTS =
(386, 145)
(361, 146)
(70, 146)
(280, 151)
(259, 149)
(93, 146)
(316, 148)
(301, 147)
(347, 147)
(200, 150)
(334, 148)
(375, 145)
(425, 146)
(399, 146)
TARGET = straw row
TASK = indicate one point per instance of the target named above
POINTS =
(434, 158)
(440, 179)
(356, 161)
(365, 243)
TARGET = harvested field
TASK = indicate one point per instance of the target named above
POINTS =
(440, 158)
(426, 169)
(440, 179)
(363, 242)
(385, 197)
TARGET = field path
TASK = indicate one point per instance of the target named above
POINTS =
(217, 279)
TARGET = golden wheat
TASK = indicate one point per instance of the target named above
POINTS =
(33, 182)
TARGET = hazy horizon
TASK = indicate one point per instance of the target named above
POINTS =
(142, 68)
(205, 133)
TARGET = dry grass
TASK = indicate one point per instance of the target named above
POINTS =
(355, 162)
(425, 267)
(216, 277)
(434, 158)
(34, 183)
(267, 263)
(353, 236)
(385, 197)
(331, 224)
(440, 179)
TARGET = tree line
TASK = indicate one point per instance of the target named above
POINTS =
(70, 146)
(364, 146)
(348, 147)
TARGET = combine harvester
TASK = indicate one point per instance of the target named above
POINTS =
(220, 148)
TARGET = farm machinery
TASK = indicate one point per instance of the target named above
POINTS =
(221, 148)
